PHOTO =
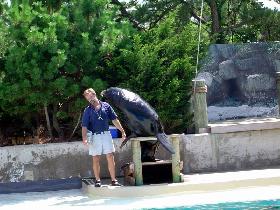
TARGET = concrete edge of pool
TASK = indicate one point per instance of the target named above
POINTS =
(41, 186)
(196, 183)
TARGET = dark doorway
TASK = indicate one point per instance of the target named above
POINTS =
(232, 89)
(233, 92)
(156, 173)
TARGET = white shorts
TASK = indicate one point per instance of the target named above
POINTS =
(101, 144)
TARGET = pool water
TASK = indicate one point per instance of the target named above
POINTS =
(266, 197)
(252, 205)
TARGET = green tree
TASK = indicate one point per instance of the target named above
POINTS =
(54, 56)
(160, 66)
(224, 20)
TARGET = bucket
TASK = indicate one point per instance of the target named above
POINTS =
(114, 132)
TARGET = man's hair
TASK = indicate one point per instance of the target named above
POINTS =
(89, 90)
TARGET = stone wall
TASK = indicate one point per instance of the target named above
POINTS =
(56, 160)
(199, 152)
(231, 151)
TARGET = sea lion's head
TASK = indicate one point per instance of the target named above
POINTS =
(112, 95)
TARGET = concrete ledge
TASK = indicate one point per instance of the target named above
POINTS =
(208, 152)
(41, 186)
(144, 139)
(253, 124)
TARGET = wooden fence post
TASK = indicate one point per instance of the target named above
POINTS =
(278, 91)
(200, 105)
(176, 159)
(136, 157)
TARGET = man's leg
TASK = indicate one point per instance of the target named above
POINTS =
(109, 148)
(111, 165)
(96, 166)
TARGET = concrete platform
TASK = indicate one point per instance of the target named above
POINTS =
(252, 124)
(196, 183)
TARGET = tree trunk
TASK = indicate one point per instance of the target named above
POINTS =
(78, 122)
(56, 124)
(217, 35)
(48, 121)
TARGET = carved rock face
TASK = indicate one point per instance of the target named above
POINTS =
(244, 73)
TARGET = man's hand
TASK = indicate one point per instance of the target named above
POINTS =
(118, 125)
(85, 142)
(123, 135)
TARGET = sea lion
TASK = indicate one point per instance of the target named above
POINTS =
(142, 119)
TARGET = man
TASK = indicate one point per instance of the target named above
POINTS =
(96, 119)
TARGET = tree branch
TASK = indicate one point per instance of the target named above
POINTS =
(127, 15)
(166, 11)
(193, 13)
(78, 122)
(48, 121)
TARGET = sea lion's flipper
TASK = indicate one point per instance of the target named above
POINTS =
(164, 140)
(126, 139)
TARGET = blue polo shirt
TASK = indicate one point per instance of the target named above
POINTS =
(98, 121)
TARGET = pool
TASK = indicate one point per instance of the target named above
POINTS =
(267, 197)
(263, 204)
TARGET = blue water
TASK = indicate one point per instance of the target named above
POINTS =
(252, 205)
(264, 198)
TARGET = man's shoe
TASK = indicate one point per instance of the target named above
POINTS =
(97, 183)
(116, 183)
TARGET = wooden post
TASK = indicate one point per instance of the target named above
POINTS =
(278, 90)
(136, 157)
(176, 159)
(200, 105)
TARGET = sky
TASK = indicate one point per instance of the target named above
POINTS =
(270, 4)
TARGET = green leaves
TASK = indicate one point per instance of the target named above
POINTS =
(49, 54)
(50, 51)
(98, 84)
(160, 67)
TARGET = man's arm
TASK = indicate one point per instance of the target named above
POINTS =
(118, 125)
(84, 135)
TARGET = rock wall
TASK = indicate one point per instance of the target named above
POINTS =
(241, 74)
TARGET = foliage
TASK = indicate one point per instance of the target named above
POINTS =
(225, 21)
(248, 21)
(53, 56)
(160, 67)
(51, 50)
